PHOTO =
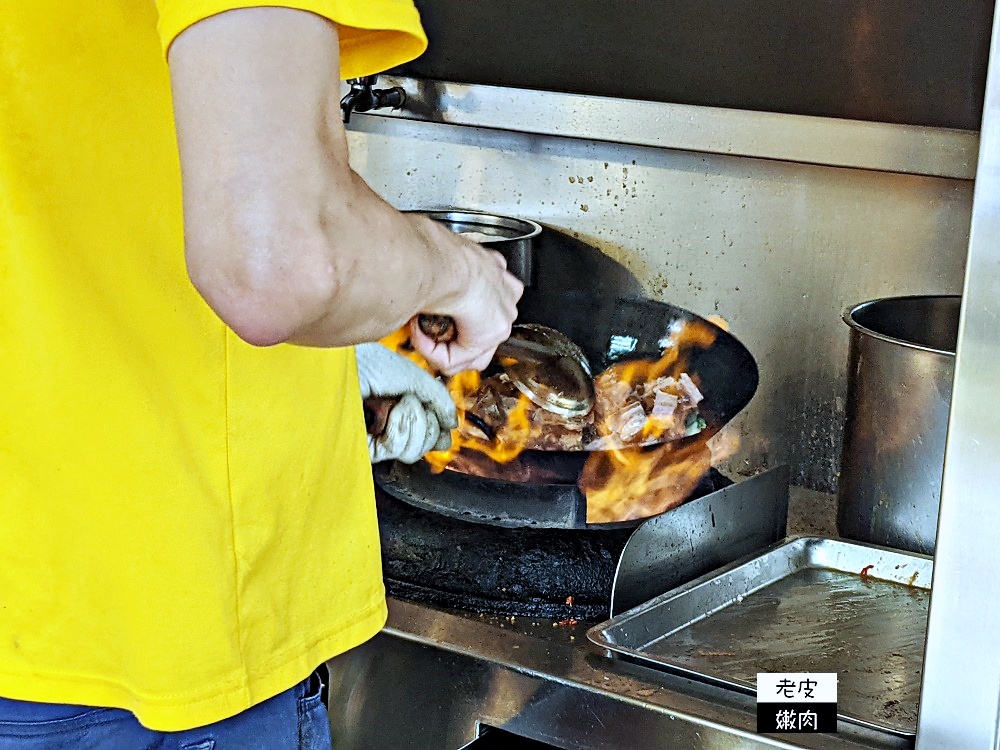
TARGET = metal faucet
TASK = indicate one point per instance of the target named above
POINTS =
(364, 98)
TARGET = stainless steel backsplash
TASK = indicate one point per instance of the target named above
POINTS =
(778, 249)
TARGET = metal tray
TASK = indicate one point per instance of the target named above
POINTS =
(801, 606)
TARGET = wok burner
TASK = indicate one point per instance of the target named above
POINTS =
(548, 573)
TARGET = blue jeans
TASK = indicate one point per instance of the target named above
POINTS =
(293, 720)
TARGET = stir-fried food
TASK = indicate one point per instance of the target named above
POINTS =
(625, 414)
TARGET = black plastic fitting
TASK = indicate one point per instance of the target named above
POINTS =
(363, 97)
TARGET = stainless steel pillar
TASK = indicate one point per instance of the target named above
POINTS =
(961, 681)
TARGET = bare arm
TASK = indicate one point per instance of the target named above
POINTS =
(283, 240)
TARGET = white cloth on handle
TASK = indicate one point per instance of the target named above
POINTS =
(423, 418)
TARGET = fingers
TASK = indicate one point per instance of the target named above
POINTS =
(483, 312)
(404, 433)
(423, 432)
(431, 435)
(412, 430)
(451, 359)
(482, 362)
(444, 441)
(479, 334)
(497, 258)
(433, 393)
(437, 354)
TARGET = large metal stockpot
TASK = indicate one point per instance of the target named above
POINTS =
(901, 365)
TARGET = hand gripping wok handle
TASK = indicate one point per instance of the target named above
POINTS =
(439, 328)
(377, 415)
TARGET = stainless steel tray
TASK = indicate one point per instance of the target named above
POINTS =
(802, 605)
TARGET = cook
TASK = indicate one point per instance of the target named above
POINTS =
(188, 520)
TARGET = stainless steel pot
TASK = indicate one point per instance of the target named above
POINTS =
(901, 365)
(513, 238)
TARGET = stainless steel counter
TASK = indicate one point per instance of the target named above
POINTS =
(433, 678)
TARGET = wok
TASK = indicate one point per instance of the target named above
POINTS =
(539, 488)
(619, 329)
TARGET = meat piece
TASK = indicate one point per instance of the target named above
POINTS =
(554, 432)
(664, 406)
(668, 404)
(649, 390)
(624, 415)
(497, 399)
(629, 422)
(689, 388)
(611, 394)
(603, 443)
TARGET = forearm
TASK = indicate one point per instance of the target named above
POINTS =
(390, 267)
(283, 240)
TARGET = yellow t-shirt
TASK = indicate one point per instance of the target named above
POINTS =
(186, 522)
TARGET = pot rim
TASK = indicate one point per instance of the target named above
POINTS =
(848, 317)
(528, 229)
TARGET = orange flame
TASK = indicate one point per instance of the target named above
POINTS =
(622, 485)
(511, 438)
(460, 386)
(632, 483)
(624, 378)
(399, 342)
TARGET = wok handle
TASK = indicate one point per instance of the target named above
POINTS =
(439, 328)
(377, 414)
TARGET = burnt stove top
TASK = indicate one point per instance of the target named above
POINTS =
(556, 574)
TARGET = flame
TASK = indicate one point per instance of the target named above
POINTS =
(511, 439)
(672, 363)
(674, 358)
(399, 342)
(622, 485)
(627, 484)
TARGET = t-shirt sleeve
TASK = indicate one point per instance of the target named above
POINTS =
(375, 35)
